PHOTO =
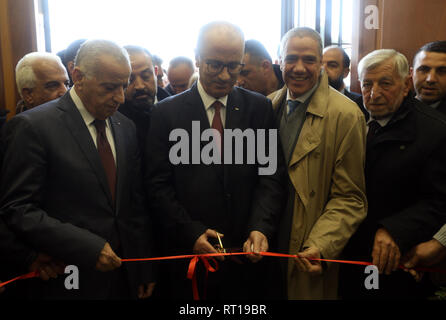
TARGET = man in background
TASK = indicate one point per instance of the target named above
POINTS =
(259, 74)
(337, 65)
(40, 77)
(140, 96)
(429, 75)
(179, 73)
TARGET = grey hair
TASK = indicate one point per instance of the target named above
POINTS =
(301, 32)
(375, 58)
(24, 73)
(91, 50)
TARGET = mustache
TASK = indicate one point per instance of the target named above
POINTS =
(142, 92)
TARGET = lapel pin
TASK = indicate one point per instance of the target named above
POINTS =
(236, 109)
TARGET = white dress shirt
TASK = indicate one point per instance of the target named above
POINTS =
(89, 119)
(208, 101)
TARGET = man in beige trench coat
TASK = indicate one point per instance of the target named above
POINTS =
(323, 136)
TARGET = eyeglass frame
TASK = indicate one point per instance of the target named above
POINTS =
(222, 66)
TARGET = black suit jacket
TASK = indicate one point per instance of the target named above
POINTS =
(442, 107)
(405, 179)
(55, 196)
(232, 199)
(357, 98)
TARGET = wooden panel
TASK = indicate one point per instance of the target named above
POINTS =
(18, 37)
(407, 25)
(363, 39)
(403, 25)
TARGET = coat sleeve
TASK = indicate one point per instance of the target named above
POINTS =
(159, 185)
(346, 207)
(419, 222)
(22, 189)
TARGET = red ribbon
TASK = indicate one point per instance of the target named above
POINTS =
(192, 273)
(33, 274)
(195, 258)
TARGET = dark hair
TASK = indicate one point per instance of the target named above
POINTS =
(345, 57)
(157, 60)
(257, 50)
(71, 51)
(435, 46)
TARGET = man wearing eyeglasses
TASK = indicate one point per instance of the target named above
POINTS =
(198, 203)
(323, 138)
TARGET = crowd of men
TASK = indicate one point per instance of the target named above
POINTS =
(88, 176)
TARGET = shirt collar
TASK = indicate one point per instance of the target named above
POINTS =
(435, 105)
(86, 115)
(303, 97)
(382, 122)
(209, 100)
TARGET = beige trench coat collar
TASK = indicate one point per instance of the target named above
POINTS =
(310, 135)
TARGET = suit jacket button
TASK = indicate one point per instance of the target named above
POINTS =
(312, 193)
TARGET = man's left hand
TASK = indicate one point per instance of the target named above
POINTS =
(256, 243)
(304, 262)
(386, 253)
(145, 290)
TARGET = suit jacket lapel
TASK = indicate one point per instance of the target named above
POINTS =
(81, 135)
(194, 109)
(234, 111)
(121, 162)
(310, 135)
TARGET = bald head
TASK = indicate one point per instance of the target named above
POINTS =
(218, 57)
(221, 32)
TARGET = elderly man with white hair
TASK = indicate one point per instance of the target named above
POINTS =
(40, 77)
(405, 180)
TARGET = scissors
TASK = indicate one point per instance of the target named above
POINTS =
(220, 247)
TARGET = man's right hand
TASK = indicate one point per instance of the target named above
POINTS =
(47, 266)
(108, 260)
(202, 245)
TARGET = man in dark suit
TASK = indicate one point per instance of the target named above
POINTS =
(259, 74)
(140, 95)
(429, 75)
(70, 182)
(337, 65)
(197, 201)
(405, 179)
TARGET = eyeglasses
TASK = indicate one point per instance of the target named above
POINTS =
(215, 67)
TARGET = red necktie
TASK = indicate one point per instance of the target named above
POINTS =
(216, 122)
(105, 152)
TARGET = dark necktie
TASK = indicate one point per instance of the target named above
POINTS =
(105, 152)
(217, 124)
(292, 105)
(373, 128)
